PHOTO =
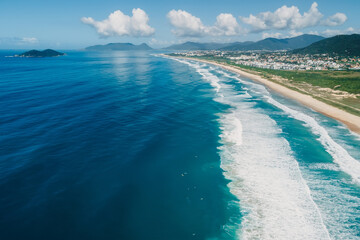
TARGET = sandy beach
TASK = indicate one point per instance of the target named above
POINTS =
(350, 120)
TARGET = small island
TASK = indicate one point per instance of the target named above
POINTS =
(44, 53)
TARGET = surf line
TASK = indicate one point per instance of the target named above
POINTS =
(303, 202)
(340, 156)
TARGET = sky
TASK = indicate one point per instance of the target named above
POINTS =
(76, 24)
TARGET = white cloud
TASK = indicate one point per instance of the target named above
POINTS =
(119, 24)
(335, 20)
(187, 25)
(290, 18)
(333, 32)
(227, 25)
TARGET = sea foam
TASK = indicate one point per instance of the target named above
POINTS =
(275, 199)
(346, 162)
(337, 199)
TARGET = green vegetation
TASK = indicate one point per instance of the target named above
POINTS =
(343, 45)
(348, 81)
(45, 53)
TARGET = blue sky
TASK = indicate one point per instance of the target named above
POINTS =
(76, 24)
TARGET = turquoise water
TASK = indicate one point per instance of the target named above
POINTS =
(124, 145)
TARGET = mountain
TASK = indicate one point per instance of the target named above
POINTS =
(272, 44)
(191, 46)
(45, 53)
(119, 47)
(346, 45)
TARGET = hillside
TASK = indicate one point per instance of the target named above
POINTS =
(272, 44)
(345, 45)
(119, 47)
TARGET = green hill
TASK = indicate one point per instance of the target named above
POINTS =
(344, 45)
(45, 53)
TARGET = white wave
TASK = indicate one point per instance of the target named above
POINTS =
(338, 203)
(275, 200)
(346, 162)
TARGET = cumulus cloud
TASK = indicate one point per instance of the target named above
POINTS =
(335, 20)
(290, 18)
(187, 25)
(227, 25)
(119, 24)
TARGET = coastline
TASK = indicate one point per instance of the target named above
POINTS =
(350, 120)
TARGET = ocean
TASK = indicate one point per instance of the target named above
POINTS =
(133, 145)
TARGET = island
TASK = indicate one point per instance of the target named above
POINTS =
(44, 53)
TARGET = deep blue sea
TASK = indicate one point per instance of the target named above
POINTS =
(133, 145)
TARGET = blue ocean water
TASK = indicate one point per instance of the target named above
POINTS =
(132, 145)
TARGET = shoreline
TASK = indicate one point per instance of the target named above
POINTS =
(350, 120)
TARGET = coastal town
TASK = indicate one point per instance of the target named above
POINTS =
(282, 60)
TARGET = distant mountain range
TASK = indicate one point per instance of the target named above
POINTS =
(45, 53)
(348, 45)
(270, 44)
(192, 46)
(345, 45)
(119, 47)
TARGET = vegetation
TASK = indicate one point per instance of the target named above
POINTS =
(45, 53)
(343, 45)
